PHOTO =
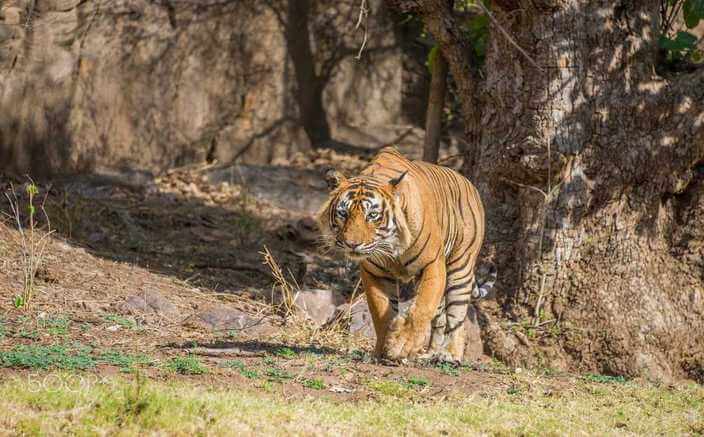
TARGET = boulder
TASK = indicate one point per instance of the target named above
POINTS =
(302, 191)
(318, 305)
(149, 301)
(152, 85)
(222, 318)
(361, 320)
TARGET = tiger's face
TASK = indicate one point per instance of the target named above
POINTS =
(359, 218)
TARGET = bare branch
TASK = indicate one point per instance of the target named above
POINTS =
(505, 33)
(363, 20)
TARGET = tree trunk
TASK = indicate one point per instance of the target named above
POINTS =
(436, 104)
(591, 169)
(310, 88)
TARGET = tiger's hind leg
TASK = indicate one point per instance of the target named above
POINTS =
(437, 330)
(448, 334)
(437, 351)
(457, 304)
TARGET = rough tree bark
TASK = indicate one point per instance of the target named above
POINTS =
(592, 172)
(436, 103)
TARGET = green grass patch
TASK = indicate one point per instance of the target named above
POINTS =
(73, 357)
(124, 322)
(277, 375)
(241, 368)
(315, 384)
(126, 362)
(448, 369)
(54, 326)
(417, 381)
(186, 365)
(29, 334)
(41, 403)
(285, 352)
(390, 388)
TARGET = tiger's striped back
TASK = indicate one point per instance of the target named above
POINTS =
(438, 220)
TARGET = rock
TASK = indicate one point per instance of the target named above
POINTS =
(304, 231)
(279, 186)
(319, 305)
(167, 84)
(361, 322)
(149, 301)
(223, 318)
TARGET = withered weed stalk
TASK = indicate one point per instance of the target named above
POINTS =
(32, 238)
(301, 330)
(288, 290)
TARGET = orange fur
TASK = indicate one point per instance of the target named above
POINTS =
(405, 220)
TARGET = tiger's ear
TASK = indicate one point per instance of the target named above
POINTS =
(397, 180)
(334, 178)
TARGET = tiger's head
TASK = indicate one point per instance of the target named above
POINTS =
(363, 218)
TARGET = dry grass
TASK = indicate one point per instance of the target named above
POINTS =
(288, 291)
(71, 404)
(31, 238)
(301, 331)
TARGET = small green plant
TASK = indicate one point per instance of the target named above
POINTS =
(124, 322)
(33, 240)
(73, 357)
(241, 368)
(269, 361)
(186, 366)
(448, 368)
(135, 399)
(513, 390)
(276, 374)
(126, 362)
(54, 325)
(285, 352)
(604, 379)
(390, 388)
(677, 44)
(357, 355)
(315, 384)
(18, 301)
(417, 381)
(30, 334)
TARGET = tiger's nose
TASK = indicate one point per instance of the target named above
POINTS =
(353, 244)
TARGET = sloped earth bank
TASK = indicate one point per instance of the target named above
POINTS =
(165, 277)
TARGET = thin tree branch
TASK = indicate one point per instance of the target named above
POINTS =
(508, 37)
(363, 20)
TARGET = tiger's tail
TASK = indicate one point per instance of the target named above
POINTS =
(483, 287)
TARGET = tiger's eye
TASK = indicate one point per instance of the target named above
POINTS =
(373, 215)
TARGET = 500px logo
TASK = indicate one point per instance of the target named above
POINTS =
(35, 383)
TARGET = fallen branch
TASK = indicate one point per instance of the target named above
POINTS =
(220, 352)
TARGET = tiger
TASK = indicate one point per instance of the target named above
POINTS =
(403, 221)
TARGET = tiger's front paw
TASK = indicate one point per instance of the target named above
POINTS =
(403, 340)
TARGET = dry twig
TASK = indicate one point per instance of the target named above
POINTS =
(363, 20)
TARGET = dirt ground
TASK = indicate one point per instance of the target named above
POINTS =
(166, 279)
(158, 269)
